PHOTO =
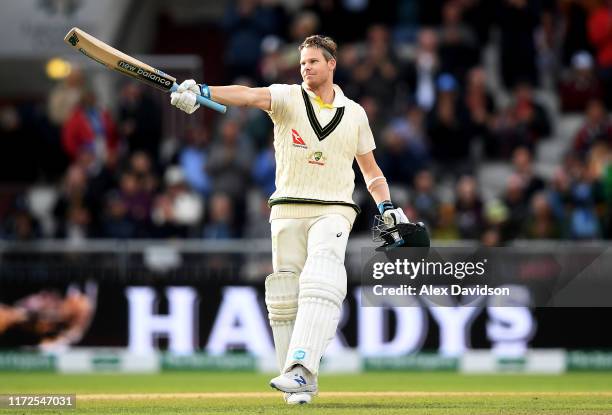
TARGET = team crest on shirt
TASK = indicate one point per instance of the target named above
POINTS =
(297, 140)
(317, 158)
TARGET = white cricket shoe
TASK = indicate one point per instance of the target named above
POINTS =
(299, 398)
(298, 379)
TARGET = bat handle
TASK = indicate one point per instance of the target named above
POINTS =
(205, 101)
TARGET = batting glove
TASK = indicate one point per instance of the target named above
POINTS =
(392, 215)
(185, 96)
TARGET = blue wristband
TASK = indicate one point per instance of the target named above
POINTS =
(385, 205)
(204, 91)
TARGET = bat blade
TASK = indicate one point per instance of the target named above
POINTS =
(116, 60)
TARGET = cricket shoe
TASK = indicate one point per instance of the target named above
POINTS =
(299, 398)
(297, 379)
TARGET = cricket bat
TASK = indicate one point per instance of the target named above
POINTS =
(118, 61)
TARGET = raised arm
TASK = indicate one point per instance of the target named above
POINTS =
(242, 96)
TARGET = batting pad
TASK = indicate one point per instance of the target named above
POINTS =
(282, 302)
(322, 290)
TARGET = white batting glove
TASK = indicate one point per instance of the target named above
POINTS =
(185, 96)
(392, 215)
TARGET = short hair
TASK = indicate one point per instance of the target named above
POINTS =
(327, 45)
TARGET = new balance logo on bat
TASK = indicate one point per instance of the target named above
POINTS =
(297, 140)
(145, 75)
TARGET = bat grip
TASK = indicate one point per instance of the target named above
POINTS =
(205, 101)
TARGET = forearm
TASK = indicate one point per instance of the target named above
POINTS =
(230, 95)
(377, 185)
(238, 95)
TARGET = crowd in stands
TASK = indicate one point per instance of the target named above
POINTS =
(419, 71)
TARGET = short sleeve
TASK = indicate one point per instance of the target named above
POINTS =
(280, 95)
(365, 142)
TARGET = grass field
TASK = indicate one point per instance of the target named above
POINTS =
(371, 393)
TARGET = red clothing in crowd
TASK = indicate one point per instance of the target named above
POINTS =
(78, 132)
(600, 34)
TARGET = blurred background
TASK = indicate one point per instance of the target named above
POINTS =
(125, 223)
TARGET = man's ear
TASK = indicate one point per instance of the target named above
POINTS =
(331, 64)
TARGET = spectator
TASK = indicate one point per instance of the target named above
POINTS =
(523, 123)
(65, 97)
(425, 201)
(193, 159)
(18, 148)
(230, 160)
(138, 199)
(115, 222)
(90, 127)
(178, 211)
(404, 148)
(220, 224)
(400, 158)
(263, 172)
(600, 34)
(245, 31)
(458, 46)
(142, 167)
(468, 208)
(491, 238)
(516, 201)
(580, 85)
(62, 100)
(575, 36)
(73, 208)
(421, 74)
(229, 166)
(478, 15)
(378, 72)
(140, 120)
(329, 13)
(517, 21)
(446, 227)
(584, 223)
(19, 224)
(523, 167)
(497, 216)
(377, 118)
(271, 64)
(348, 59)
(448, 132)
(541, 222)
(478, 108)
(100, 181)
(597, 127)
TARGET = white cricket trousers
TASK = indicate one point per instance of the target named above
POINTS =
(314, 241)
(294, 239)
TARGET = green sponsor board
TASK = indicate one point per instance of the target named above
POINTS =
(589, 360)
(202, 361)
(25, 361)
(414, 362)
(106, 362)
(511, 364)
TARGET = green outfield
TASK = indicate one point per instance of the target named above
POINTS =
(369, 393)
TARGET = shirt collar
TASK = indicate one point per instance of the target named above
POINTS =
(339, 98)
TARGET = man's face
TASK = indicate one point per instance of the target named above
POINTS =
(315, 69)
